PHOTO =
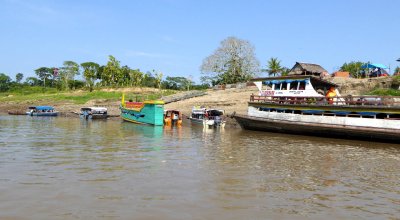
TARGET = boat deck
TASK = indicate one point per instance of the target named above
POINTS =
(377, 104)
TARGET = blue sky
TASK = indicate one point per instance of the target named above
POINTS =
(174, 36)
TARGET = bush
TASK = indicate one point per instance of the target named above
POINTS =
(396, 82)
(385, 92)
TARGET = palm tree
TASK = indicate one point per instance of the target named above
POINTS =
(285, 71)
(274, 66)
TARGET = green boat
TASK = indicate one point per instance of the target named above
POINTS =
(148, 112)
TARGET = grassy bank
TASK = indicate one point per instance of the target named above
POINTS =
(385, 92)
(50, 95)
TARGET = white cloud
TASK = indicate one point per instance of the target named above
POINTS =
(169, 39)
(36, 12)
(34, 7)
(143, 54)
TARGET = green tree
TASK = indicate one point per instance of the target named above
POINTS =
(285, 71)
(5, 82)
(99, 75)
(397, 71)
(234, 61)
(158, 79)
(68, 72)
(136, 77)
(274, 66)
(90, 70)
(189, 82)
(44, 73)
(19, 77)
(112, 71)
(354, 68)
(32, 81)
(177, 83)
(149, 80)
(125, 79)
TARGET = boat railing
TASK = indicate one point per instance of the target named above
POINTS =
(342, 100)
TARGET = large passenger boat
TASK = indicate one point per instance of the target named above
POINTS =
(309, 105)
(148, 112)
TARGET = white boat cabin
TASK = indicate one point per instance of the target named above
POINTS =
(290, 86)
(94, 110)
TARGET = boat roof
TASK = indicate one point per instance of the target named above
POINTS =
(95, 108)
(314, 79)
(198, 108)
(171, 110)
(215, 112)
(42, 107)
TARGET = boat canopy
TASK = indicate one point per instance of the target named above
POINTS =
(198, 110)
(215, 112)
(267, 82)
(373, 65)
(294, 78)
(97, 109)
(42, 108)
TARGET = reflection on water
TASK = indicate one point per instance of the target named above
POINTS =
(59, 168)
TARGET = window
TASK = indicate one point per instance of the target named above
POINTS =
(293, 86)
(284, 86)
(302, 85)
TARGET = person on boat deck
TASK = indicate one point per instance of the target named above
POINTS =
(330, 94)
(206, 114)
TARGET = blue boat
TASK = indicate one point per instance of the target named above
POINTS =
(42, 111)
(148, 112)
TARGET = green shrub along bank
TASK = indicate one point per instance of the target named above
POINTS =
(385, 92)
(40, 94)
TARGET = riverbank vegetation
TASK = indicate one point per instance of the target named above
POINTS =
(393, 91)
(36, 94)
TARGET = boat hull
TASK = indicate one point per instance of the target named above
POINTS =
(197, 120)
(16, 112)
(94, 116)
(321, 130)
(47, 114)
(209, 123)
(152, 114)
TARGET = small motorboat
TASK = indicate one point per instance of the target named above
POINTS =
(41, 111)
(93, 113)
(172, 118)
(208, 117)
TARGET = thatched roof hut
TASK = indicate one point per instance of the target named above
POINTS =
(307, 69)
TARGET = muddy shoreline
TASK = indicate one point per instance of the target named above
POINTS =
(231, 100)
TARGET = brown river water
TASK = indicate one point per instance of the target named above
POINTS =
(65, 168)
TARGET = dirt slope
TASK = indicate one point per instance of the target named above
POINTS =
(230, 100)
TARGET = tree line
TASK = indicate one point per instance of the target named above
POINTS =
(233, 61)
(97, 76)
